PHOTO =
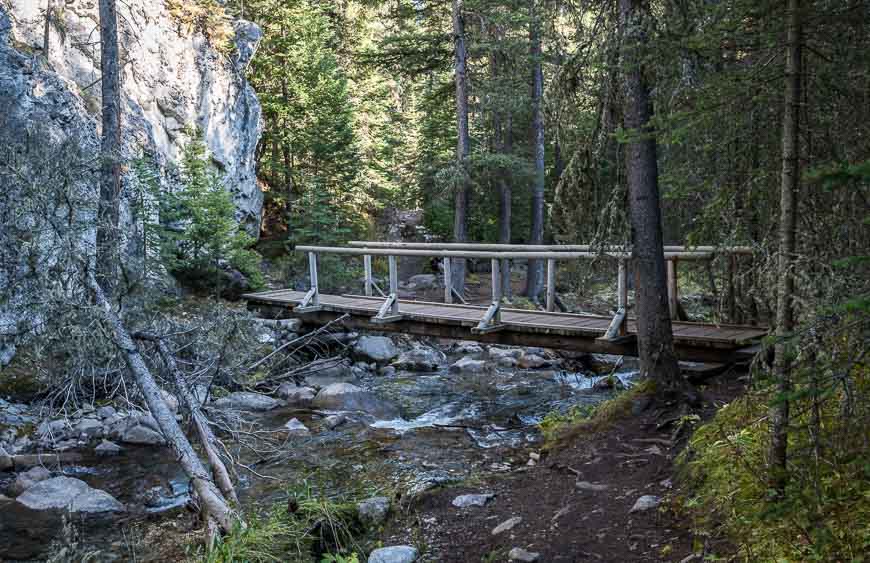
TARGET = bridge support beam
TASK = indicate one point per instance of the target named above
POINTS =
(367, 266)
(389, 311)
(673, 297)
(491, 320)
(551, 285)
(311, 302)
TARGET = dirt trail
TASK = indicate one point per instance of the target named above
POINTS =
(575, 503)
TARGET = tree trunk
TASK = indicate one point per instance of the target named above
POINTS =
(460, 211)
(503, 145)
(46, 32)
(654, 335)
(110, 152)
(214, 507)
(535, 275)
(779, 412)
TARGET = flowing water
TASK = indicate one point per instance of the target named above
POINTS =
(452, 424)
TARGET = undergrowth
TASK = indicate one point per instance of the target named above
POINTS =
(824, 512)
(308, 527)
(560, 427)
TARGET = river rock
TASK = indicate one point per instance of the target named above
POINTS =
(105, 412)
(322, 373)
(296, 396)
(27, 479)
(378, 349)
(420, 358)
(349, 397)
(423, 281)
(247, 401)
(333, 421)
(646, 502)
(427, 481)
(468, 365)
(373, 511)
(532, 361)
(295, 427)
(89, 427)
(507, 525)
(520, 554)
(142, 435)
(472, 349)
(5, 460)
(394, 554)
(107, 449)
(587, 486)
(72, 494)
(54, 429)
(610, 383)
(465, 501)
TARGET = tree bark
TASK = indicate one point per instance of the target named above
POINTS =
(108, 209)
(654, 333)
(214, 507)
(779, 412)
(460, 211)
(535, 274)
(503, 145)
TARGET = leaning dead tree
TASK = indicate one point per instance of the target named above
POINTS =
(216, 511)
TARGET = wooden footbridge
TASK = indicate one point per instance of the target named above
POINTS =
(496, 324)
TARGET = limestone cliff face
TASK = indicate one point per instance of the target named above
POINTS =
(172, 78)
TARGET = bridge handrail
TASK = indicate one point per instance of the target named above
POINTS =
(493, 247)
(492, 255)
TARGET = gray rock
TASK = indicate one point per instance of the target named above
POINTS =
(27, 479)
(248, 36)
(68, 493)
(499, 353)
(322, 373)
(610, 383)
(106, 412)
(54, 429)
(247, 401)
(427, 481)
(423, 281)
(532, 361)
(468, 365)
(507, 525)
(373, 511)
(296, 396)
(646, 502)
(587, 486)
(520, 554)
(333, 421)
(142, 435)
(89, 427)
(472, 349)
(420, 358)
(465, 501)
(5, 460)
(348, 397)
(295, 427)
(378, 349)
(7, 353)
(387, 371)
(107, 448)
(394, 554)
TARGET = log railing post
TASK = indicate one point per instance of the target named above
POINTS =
(389, 311)
(732, 293)
(551, 284)
(367, 266)
(311, 301)
(622, 295)
(448, 281)
(673, 296)
(491, 320)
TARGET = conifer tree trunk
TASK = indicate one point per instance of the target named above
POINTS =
(108, 209)
(779, 413)
(654, 333)
(535, 275)
(460, 211)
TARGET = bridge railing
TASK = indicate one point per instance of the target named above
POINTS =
(389, 310)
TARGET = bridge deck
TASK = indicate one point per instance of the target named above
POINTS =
(694, 341)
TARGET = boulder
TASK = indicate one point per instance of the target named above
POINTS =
(394, 554)
(465, 501)
(373, 511)
(507, 525)
(532, 361)
(296, 396)
(27, 479)
(423, 281)
(106, 412)
(472, 349)
(499, 353)
(378, 349)
(247, 401)
(322, 373)
(89, 428)
(468, 365)
(349, 397)
(420, 358)
(646, 502)
(68, 493)
(333, 421)
(107, 448)
(142, 435)
(295, 427)
(520, 554)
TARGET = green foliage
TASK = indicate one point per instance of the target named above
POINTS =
(824, 513)
(319, 528)
(199, 231)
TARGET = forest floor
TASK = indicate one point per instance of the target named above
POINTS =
(576, 503)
